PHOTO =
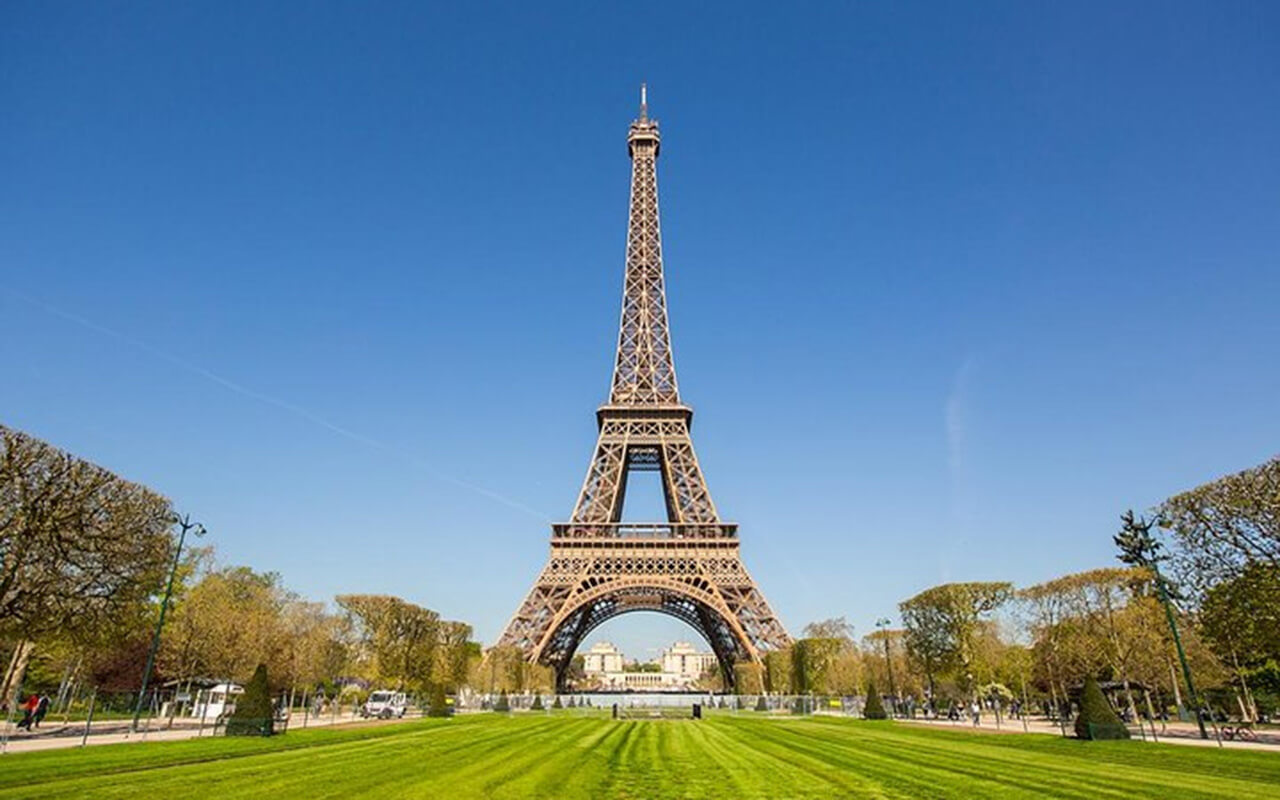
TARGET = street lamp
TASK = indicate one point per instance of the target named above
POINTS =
(1139, 548)
(882, 624)
(185, 523)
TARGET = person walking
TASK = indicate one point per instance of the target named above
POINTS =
(42, 708)
(28, 712)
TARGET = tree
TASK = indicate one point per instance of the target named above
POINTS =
(943, 625)
(748, 678)
(1240, 618)
(439, 703)
(834, 628)
(1096, 720)
(811, 662)
(254, 714)
(398, 639)
(1224, 525)
(227, 622)
(79, 546)
(777, 671)
(874, 708)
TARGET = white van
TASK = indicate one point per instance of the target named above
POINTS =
(385, 704)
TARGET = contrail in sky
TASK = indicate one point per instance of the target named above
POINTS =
(284, 405)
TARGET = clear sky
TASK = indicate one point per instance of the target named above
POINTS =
(951, 285)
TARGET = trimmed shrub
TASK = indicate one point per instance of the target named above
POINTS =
(571, 703)
(537, 703)
(874, 709)
(557, 704)
(1096, 719)
(502, 703)
(254, 714)
(762, 704)
(439, 704)
(741, 704)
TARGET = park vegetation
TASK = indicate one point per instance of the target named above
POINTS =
(998, 644)
(84, 559)
(85, 556)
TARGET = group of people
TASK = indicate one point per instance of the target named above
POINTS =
(33, 711)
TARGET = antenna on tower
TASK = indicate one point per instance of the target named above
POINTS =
(644, 102)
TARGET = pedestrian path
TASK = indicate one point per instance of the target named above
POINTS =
(54, 735)
(1168, 733)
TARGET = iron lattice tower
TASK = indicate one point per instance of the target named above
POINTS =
(689, 566)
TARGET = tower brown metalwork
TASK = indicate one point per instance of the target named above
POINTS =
(688, 566)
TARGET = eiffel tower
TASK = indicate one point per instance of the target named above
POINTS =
(688, 566)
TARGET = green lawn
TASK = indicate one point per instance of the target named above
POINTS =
(564, 756)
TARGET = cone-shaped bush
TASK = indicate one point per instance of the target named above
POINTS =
(502, 703)
(874, 709)
(571, 702)
(439, 704)
(254, 714)
(762, 704)
(1096, 719)
(556, 703)
(537, 703)
(741, 704)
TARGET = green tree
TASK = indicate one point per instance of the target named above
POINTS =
(1223, 526)
(874, 709)
(401, 640)
(254, 714)
(439, 704)
(1096, 720)
(944, 625)
(81, 547)
(748, 678)
(1240, 618)
(777, 671)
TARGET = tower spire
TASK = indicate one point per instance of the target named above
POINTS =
(645, 372)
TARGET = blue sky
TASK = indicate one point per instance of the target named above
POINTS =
(951, 287)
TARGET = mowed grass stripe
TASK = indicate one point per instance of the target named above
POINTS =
(786, 779)
(919, 772)
(895, 779)
(562, 756)
(328, 770)
(1088, 763)
(973, 757)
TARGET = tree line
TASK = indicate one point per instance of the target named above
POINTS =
(84, 559)
(85, 554)
(992, 640)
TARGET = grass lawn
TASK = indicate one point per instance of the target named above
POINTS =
(743, 756)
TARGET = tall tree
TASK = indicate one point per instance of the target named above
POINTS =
(79, 546)
(399, 639)
(1224, 525)
(945, 622)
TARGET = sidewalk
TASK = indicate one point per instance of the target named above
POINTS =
(1185, 733)
(53, 735)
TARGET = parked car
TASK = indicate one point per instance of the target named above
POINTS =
(385, 704)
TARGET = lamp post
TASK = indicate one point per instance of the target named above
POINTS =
(184, 522)
(1139, 548)
(882, 624)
